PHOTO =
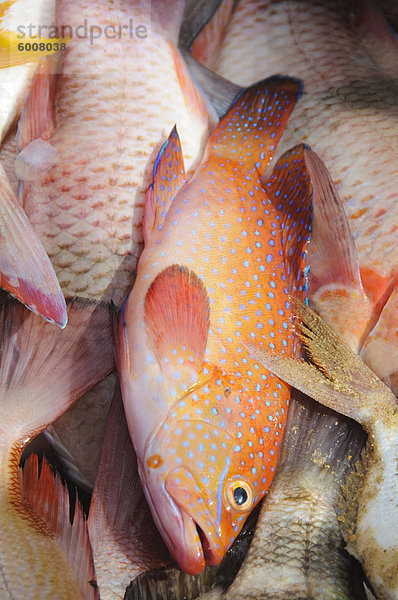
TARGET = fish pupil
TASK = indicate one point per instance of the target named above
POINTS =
(240, 496)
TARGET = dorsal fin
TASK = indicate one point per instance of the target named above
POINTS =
(289, 189)
(335, 287)
(168, 176)
(253, 126)
(25, 269)
(49, 499)
(177, 315)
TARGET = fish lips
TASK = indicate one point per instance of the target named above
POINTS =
(198, 521)
(177, 529)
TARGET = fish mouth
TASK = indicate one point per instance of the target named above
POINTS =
(199, 524)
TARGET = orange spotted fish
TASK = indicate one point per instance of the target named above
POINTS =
(222, 252)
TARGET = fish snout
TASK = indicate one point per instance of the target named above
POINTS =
(199, 523)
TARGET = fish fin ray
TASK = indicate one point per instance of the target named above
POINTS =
(177, 314)
(38, 115)
(168, 177)
(25, 269)
(253, 126)
(338, 378)
(318, 439)
(289, 186)
(49, 499)
(380, 350)
(220, 91)
(44, 369)
(335, 286)
(207, 31)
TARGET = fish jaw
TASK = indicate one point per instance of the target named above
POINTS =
(175, 525)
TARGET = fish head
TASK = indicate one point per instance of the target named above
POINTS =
(200, 479)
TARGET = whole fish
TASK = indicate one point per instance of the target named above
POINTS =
(344, 383)
(88, 138)
(345, 56)
(220, 257)
(43, 370)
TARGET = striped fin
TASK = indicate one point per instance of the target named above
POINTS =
(335, 286)
(44, 369)
(49, 499)
(177, 315)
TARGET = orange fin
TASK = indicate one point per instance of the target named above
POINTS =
(49, 499)
(289, 189)
(380, 350)
(177, 315)
(44, 369)
(168, 177)
(253, 126)
(38, 116)
(120, 523)
(25, 269)
(335, 287)
(207, 42)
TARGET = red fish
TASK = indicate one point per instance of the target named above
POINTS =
(221, 255)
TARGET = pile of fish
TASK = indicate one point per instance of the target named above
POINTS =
(199, 328)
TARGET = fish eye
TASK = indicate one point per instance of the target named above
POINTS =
(239, 495)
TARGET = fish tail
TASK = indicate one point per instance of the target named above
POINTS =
(253, 126)
(318, 439)
(44, 369)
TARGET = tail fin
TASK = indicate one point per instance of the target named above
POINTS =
(44, 369)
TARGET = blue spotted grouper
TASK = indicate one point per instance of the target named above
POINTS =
(222, 253)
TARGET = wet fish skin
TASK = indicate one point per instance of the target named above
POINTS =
(40, 552)
(116, 100)
(348, 114)
(173, 345)
(369, 521)
(297, 551)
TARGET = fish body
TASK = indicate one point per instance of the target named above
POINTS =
(297, 550)
(205, 421)
(348, 114)
(109, 107)
(369, 518)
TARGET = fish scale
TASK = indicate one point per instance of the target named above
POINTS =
(115, 102)
(220, 259)
(348, 115)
